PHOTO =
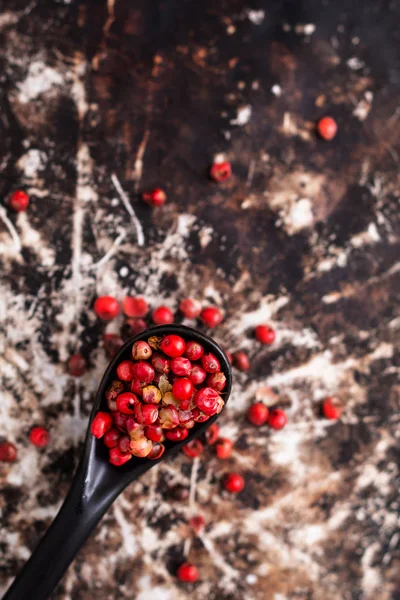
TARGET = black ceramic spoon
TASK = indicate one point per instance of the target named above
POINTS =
(97, 483)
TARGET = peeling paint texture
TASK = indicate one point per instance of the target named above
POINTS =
(102, 100)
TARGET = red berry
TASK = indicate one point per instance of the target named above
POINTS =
(181, 366)
(211, 316)
(212, 434)
(76, 365)
(193, 448)
(40, 437)
(124, 443)
(120, 420)
(151, 394)
(190, 308)
(141, 350)
(18, 201)
(193, 350)
(277, 419)
(265, 334)
(207, 400)
(327, 128)
(210, 363)
(221, 171)
(126, 403)
(106, 308)
(146, 414)
(241, 361)
(197, 523)
(332, 408)
(233, 483)
(137, 386)
(111, 437)
(223, 448)
(117, 457)
(125, 370)
(143, 371)
(162, 316)
(156, 197)
(154, 433)
(198, 375)
(257, 414)
(183, 389)
(178, 434)
(8, 452)
(112, 343)
(169, 417)
(217, 381)
(157, 451)
(132, 327)
(173, 345)
(187, 573)
(100, 425)
(160, 363)
(135, 307)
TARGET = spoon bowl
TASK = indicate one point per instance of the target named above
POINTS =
(97, 483)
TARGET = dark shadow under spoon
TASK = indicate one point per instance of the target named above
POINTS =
(97, 483)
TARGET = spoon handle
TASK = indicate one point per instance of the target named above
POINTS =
(72, 525)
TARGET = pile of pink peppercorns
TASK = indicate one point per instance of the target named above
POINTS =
(169, 385)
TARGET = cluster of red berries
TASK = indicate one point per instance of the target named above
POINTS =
(258, 414)
(38, 436)
(168, 387)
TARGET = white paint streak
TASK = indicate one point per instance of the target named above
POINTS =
(13, 232)
(129, 209)
(40, 79)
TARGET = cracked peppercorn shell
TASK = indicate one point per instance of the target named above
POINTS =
(151, 394)
(157, 451)
(141, 350)
(217, 381)
(207, 400)
(141, 447)
(193, 448)
(168, 417)
(181, 366)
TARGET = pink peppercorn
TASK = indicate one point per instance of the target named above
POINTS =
(187, 573)
(327, 128)
(111, 437)
(8, 452)
(100, 424)
(173, 345)
(134, 307)
(193, 350)
(40, 437)
(265, 334)
(277, 419)
(162, 316)
(156, 197)
(190, 308)
(125, 370)
(193, 448)
(211, 316)
(76, 365)
(234, 483)
(198, 375)
(221, 171)
(18, 201)
(217, 381)
(210, 363)
(223, 448)
(257, 414)
(332, 408)
(117, 457)
(241, 361)
(106, 308)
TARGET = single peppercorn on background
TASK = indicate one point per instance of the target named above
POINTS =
(154, 153)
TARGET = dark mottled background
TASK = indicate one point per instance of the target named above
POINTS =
(304, 236)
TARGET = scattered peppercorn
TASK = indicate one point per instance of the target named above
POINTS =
(18, 201)
(112, 343)
(221, 171)
(8, 452)
(277, 419)
(327, 128)
(39, 436)
(76, 365)
(212, 434)
(223, 448)
(234, 483)
(211, 316)
(257, 414)
(241, 360)
(134, 307)
(162, 316)
(193, 448)
(188, 573)
(106, 308)
(332, 408)
(265, 334)
(190, 308)
(156, 197)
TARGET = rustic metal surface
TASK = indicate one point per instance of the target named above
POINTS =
(304, 236)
